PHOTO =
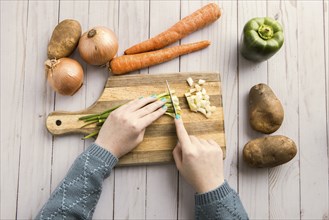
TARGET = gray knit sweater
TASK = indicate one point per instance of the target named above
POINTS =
(77, 195)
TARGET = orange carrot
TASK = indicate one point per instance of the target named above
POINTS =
(127, 63)
(197, 20)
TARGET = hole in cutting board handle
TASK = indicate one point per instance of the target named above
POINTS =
(58, 122)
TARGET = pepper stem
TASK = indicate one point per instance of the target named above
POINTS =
(265, 32)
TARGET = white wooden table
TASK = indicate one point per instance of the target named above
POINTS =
(33, 162)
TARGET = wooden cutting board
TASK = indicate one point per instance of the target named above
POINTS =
(160, 137)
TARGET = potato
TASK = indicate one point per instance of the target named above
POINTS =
(265, 109)
(64, 39)
(269, 151)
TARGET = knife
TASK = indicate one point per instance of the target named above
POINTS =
(172, 102)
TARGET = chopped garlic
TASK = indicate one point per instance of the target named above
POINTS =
(193, 107)
(197, 87)
(187, 94)
(191, 104)
(199, 94)
(204, 103)
(190, 81)
(206, 97)
(198, 99)
(202, 110)
(201, 81)
(192, 90)
(208, 108)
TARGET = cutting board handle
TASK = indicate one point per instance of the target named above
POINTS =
(59, 123)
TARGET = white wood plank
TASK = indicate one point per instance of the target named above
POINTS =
(101, 13)
(130, 190)
(13, 50)
(36, 142)
(205, 60)
(283, 74)
(253, 183)
(130, 182)
(326, 40)
(67, 148)
(161, 202)
(225, 54)
(313, 136)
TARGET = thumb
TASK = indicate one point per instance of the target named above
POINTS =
(182, 134)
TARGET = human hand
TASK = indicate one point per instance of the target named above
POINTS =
(199, 161)
(124, 128)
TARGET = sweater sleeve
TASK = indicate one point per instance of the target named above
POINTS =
(78, 193)
(221, 203)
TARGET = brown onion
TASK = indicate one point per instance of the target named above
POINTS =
(64, 75)
(98, 46)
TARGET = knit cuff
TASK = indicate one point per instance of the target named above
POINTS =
(104, 155)
(215, 195)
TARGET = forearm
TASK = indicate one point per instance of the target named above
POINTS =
(221, 203)
(78, 193)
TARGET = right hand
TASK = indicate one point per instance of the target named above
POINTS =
(199, 161)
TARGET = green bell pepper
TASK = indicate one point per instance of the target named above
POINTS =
(261, 38)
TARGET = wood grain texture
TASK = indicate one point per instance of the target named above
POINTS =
(160, 137)
(38, 101)
(12, 64)
(284, 180)
(227, 61)
(312, 137)
(326, 42)
(253, 183)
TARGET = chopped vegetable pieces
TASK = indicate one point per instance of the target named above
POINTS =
(197, 98)
(190, 81)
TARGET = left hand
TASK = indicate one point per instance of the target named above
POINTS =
(124, 128)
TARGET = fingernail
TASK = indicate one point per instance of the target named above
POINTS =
(164, 99)
(141, 97)
(177, 116)
(164, 107)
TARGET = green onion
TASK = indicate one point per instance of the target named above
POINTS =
(99, 119)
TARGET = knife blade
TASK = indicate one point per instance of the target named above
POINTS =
(171, 99)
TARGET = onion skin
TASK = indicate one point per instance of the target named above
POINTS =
(65, 75)
(98, 46)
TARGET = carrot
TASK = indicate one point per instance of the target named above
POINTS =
(197, 20)
(127, 63)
